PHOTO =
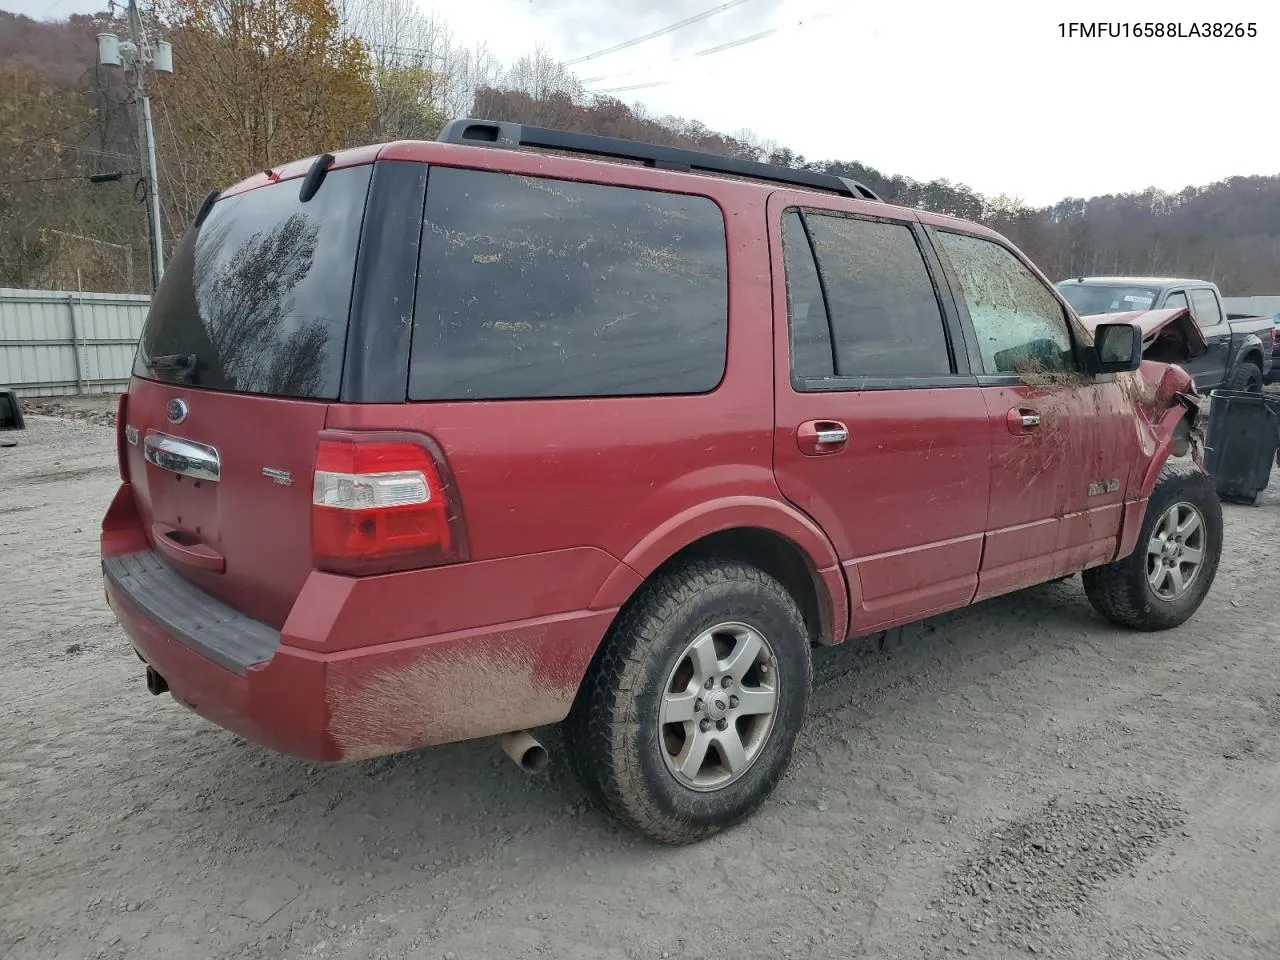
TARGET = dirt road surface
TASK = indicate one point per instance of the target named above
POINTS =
(1017, 779)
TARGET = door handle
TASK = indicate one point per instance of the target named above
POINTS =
(817, 438)
(1022, 420)
(182, 548)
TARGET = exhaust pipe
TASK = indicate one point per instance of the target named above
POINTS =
(156, 684)
(529, 755)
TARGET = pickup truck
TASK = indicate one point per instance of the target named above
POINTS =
(1239, 349)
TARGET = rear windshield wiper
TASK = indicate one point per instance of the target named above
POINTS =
(183, 363)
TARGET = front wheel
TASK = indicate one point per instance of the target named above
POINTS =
(689, 713)
(1164, 581)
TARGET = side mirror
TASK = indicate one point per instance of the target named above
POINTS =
(1118, 347)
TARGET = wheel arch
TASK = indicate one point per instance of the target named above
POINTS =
(1249, 351)
(773, 536)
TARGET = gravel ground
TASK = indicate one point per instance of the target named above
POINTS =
(1016, 779)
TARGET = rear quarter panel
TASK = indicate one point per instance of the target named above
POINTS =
(633, 478)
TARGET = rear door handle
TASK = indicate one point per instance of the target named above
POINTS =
(183, 548)
(817, 438)
(1022, 420)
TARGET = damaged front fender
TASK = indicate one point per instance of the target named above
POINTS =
(1171, 415)
(1168, 336)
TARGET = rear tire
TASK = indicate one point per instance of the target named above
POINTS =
(1164, 581)
(1247, 376)
(645, 708)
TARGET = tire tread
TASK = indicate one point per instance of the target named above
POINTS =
(600, 755)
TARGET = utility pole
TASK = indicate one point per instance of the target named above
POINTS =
(142, 56)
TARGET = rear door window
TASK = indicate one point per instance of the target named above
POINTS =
(811, 353)
(530, 287)
(259, 295)
(1204, 305)
(884, 312)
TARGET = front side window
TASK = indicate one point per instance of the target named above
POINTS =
(530, 287)
(884, 312)
(1021, 327)
(1176, 301)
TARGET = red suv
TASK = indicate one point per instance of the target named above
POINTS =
(434, 441)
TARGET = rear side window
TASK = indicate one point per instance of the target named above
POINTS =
(530, 287)
(885, 317)
(1205, 307)
(260, 293)
(811, 354)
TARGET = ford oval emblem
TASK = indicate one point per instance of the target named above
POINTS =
(176, 410)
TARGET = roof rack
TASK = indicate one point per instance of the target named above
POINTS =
(501, 133)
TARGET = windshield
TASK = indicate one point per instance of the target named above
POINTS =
(1094, 298)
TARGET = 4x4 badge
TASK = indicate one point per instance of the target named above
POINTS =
(176, 410)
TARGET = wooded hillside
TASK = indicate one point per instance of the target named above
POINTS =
(259, 82)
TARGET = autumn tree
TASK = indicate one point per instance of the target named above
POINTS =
(258, 83)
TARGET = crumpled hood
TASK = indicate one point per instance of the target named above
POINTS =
(1168, 336)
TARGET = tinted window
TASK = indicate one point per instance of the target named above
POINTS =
(806, 311)
(548, 288)
(260, 293)
(1020, 325)
(884, 311)
(1175, 301)
(1205, 307)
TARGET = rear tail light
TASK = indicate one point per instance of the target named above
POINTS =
(383, 502)
(122, 451)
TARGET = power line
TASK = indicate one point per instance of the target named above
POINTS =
(68, 146)
(709, 51)
(13, 183)
(688, 21)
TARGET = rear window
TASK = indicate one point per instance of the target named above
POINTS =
(530, 287)
(260, 293)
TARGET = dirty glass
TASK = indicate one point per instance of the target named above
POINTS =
(1204, 305)
(530, 287)
(1176, 301)
(1020, 325)
(260, 293)
(806, 313)
(884, 312)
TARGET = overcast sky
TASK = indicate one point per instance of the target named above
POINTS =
(986, 93)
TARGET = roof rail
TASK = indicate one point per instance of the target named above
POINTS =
(504, 134)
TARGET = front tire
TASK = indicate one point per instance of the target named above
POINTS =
(689, 713)
(1164, 581)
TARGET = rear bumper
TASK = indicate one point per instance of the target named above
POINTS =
(350, 703)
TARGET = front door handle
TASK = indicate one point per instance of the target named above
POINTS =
(1022, 420)
(817, 438)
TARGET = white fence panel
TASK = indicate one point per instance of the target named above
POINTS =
(57, 342)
